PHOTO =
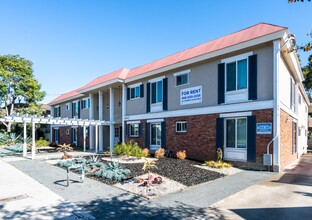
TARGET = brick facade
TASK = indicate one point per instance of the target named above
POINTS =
(199, 141)
(286, 151)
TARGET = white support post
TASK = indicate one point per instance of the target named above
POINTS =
(91, 116)
(96, 138)
(25, 141)
(123, 110)
(111, 118)
(101, 117)
(33, 147)
(84, 138)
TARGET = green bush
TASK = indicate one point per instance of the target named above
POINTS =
(128, 149)
(218, 164)
(42, 143)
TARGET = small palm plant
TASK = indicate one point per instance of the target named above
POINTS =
(148, 166)
(65, 148)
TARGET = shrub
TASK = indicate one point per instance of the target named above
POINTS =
(111, 171)
(160, 153)
(64, 148)
(128, 149)
(53, 144)
(181, 154)
(145, 152)
(15, 148)
(42, 143)
(218, 164)
(136, 151)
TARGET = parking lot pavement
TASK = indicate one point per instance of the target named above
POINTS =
(284, 196)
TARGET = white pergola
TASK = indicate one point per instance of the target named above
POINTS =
(33, 120)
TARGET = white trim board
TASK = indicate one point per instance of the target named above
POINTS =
(236, 114)
(182, 72)
(238, 107)
(133, 122)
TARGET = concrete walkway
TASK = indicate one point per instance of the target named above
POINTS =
(284, 196)
(21, 197)
(107, 202)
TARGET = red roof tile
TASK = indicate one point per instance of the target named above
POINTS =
(250, 33)
(65, 96)
(241, 36)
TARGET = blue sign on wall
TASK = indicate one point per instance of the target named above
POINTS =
(264, 128)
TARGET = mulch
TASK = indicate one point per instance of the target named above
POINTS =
(182, 171)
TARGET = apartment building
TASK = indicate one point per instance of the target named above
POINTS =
(242, 93)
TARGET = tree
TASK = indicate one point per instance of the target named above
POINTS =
(307, 72)
(17, 85)
(292, 1)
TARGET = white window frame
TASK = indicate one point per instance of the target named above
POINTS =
(135, 87)
(67, 131)
(156, 107)
(181, 125)
(181, 73)
(55, 111)
(83, 103)
(293, 95)
(155, 146)
(137, 133)
(235, 153)
(67, 106)
(240, 95)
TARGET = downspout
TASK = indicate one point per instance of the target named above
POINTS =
(276, 112)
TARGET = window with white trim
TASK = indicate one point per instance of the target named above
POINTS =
(68, 106)
(85, 103)
(156, 92)
(236, 133)
(292, 94)
(135, 92)
(57, 111)
(182, 78)
(236, 75)
(134, 130)
(75, 108)
(181, 126)
(156, 134)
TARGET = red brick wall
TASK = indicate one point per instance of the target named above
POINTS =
(200, 139)
(141, 139)
(64, 137)
(286, 154)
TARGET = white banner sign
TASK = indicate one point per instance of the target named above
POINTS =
(191, 95)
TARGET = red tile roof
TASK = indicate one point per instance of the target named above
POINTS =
(65, 96)
(121, 74)
(241, 36)
(250, 33)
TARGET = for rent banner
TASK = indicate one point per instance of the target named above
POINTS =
(191, 95)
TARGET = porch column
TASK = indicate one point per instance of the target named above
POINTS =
(91, 116)
(33, 147)
(84, 138)
(111, 118)
(96, 138)
(51, 127)
(123, 110)
(25, 141)
(101, 117)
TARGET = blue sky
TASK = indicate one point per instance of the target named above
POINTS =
(71, 42)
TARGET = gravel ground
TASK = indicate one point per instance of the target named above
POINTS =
(181, 171)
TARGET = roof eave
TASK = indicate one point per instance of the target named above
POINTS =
(64, 100)
(233, 48)
(98, 86)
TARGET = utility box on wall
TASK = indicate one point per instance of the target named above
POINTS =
(267, 159)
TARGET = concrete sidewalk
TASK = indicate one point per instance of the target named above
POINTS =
(21, 197)
(284, 196)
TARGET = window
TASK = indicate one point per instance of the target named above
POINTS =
(156, 134)
(117, 131)
(57, 111)
(299, 99)
(182, 77)
(236, 75)
(236, 133)
(67, 131)
(157, 92)
(68, 106)
(75, 109)
(135, 92)
(181, 126)
(292, 95)
(85, 103)
(134, 130)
